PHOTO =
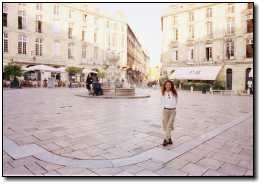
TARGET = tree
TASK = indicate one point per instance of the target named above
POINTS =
(13, 70)
(73, 70)
(101, 73)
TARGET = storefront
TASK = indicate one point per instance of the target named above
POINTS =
(197, 77)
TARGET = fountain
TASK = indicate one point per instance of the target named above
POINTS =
(115, 88)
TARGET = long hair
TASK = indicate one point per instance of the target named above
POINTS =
(173, 89)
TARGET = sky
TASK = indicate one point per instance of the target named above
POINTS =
(145, 21)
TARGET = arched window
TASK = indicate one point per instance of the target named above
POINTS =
(229, 74)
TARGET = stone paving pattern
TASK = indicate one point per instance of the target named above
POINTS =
(82, 128)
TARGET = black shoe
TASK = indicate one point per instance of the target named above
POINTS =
(170, 141)
(165, 143)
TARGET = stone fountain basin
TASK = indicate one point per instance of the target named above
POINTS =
(119, 91)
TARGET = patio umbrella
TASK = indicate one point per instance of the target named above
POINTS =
(42, 68)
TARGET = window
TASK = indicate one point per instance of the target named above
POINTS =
(250, 24)
(38, 47)
(56, 48)
(107, 24)
(208, 53)
(83, 35)
(249, 48)
(5, 7)
(230, 50)
(56, 27)
(38, 24)
(70, 13)
(56, 10)
(70, 33)
(230, 26)
(231, 8)
(21, 4)
(84, 17)
(5, 42)
(191, 16)
(70, 51)
(114, 40)
(5, 10)
(95, 37)
(22, 40)
(209, 12)
(5, 19)
(191, 54)
(95, 53)
(115, 26)
(174, 20)
(39, 6)
(250, 5)
(21, 19)
(175, 34)
(191, 32)
(95, 20)
(209, 28)
(84, 51)
(175, 55)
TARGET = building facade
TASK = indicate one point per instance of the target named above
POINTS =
(210, 34)
(137, 59)
(61, 35)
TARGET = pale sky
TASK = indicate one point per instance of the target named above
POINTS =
(144, 19)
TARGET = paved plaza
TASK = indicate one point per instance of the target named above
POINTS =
(55, 132)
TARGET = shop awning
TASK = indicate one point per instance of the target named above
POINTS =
(196, 73)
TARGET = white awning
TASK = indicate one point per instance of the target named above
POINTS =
(196, 73)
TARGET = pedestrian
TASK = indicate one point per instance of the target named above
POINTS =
(89, 81)
(169, 102)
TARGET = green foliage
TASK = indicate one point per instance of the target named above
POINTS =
(73, 70)
(162, 80)
(176, 82)
(101, 73)
(198, 86)
(13, 70)
(218, 85)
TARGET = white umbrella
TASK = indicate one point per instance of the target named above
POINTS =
(42, 68)
(61, 69)
(93, 72)
(86, 71)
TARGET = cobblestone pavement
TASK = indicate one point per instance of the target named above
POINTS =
(82, 128)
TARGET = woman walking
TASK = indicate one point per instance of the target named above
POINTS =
(169, 102)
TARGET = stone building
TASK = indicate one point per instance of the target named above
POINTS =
(63, 34)
(137, 59)
(204, 38)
